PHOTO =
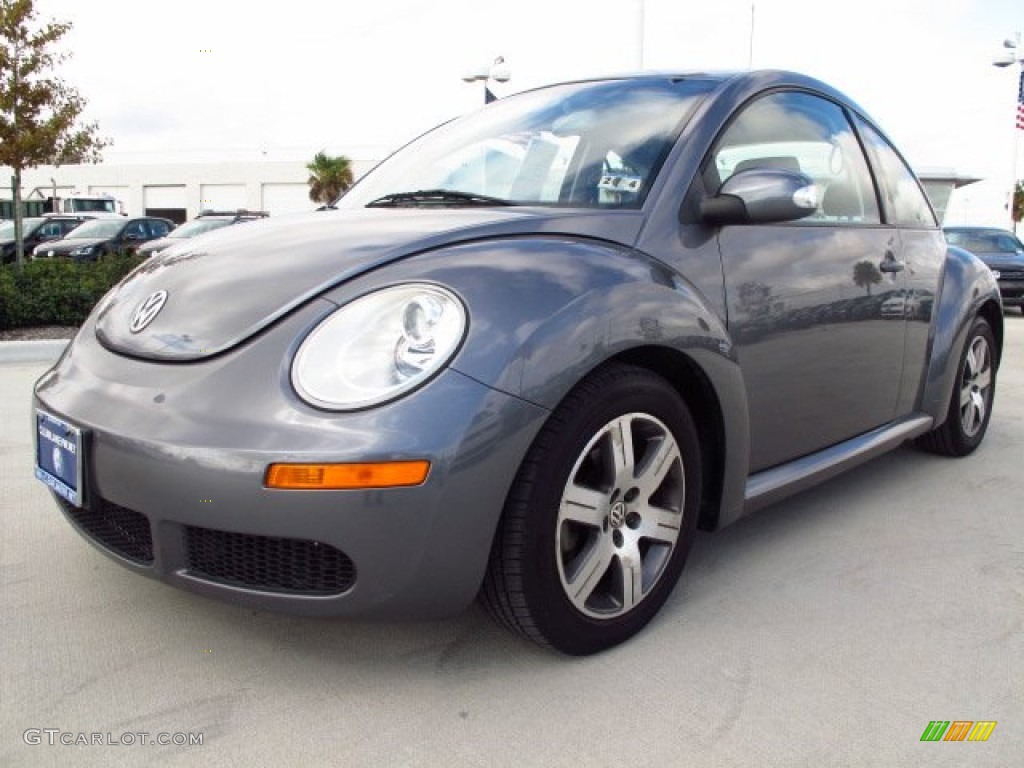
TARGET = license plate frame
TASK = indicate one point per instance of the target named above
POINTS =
(59, 456)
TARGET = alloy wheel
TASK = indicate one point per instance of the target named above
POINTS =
(975, 386)
(620, 515)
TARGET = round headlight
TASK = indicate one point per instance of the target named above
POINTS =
(379, 347)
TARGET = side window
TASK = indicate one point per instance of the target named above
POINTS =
(909, 206)
(804, 133)
(136, 228)
(158, 228)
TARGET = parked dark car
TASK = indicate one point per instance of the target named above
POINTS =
(102, 236)
(35, 230)
(204, 222)
(1002, 251)
(533, 384)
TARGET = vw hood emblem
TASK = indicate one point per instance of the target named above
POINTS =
(148, 310)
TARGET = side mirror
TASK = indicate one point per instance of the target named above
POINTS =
(132, 236)
(762, 196)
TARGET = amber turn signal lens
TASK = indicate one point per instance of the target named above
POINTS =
(389, 474)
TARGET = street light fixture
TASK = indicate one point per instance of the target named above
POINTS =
(499, 71)
(1010, 55)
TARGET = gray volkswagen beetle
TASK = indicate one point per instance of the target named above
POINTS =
(526, 358)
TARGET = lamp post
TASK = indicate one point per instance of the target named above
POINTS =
(499, 71)
(1010, 55)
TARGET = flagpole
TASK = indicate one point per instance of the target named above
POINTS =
(641, 25)
(1018, 127)
(1013, 54)
(750, 50)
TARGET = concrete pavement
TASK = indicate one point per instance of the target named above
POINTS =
(41, 351)
(828, 630)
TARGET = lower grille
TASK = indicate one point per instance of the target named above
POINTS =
(122, 531)
(268, 563)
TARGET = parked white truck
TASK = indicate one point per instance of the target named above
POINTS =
(70, 202)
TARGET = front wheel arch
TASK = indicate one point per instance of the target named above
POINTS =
(705, 405)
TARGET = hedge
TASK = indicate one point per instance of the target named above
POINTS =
(57, 291)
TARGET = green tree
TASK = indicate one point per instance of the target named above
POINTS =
(39, 112)
(866, 274)
(1017, 212)
(328, 177)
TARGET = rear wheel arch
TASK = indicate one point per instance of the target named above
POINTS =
(968, 291)
(970, 402)
(992, 313)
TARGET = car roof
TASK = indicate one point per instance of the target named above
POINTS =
(742, 84)
(978, 230)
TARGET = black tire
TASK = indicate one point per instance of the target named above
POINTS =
(544, 549)
(970, 404)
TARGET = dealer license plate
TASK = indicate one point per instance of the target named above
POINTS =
(59, 456)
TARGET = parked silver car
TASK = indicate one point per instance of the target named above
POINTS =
(207, 221)
(526, 357)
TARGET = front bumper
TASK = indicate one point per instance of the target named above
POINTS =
(1011, 284)
(175, 458)
(1012, 292)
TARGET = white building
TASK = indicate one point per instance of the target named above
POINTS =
(179, 191)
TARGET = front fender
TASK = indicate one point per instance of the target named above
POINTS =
(968, 290)
(546, 310)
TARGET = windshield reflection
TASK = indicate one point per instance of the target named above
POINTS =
(597, 144)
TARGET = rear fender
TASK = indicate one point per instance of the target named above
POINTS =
(968, 290)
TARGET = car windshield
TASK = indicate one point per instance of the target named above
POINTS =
(985, 242)
(85, 204)
(28, 225)
(593, 144)
(98, 228)
(197, 227)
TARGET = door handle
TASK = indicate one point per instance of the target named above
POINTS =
(890, 264)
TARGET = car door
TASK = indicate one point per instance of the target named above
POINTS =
(924, 253)
(66, 225)
(821, 360)
(157, 228)
(135, 233)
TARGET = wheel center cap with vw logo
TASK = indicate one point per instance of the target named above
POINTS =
(617, 514)
(148, 310)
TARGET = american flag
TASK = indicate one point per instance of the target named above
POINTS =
(1020, 101)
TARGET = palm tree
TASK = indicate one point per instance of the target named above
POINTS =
(328, 177)
(866, 274)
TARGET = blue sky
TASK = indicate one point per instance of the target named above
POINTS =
(196, 80)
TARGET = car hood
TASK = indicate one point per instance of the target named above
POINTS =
(222, 287)
(68, 244)
(1000, 258)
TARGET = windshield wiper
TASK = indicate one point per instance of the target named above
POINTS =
(428, 197)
